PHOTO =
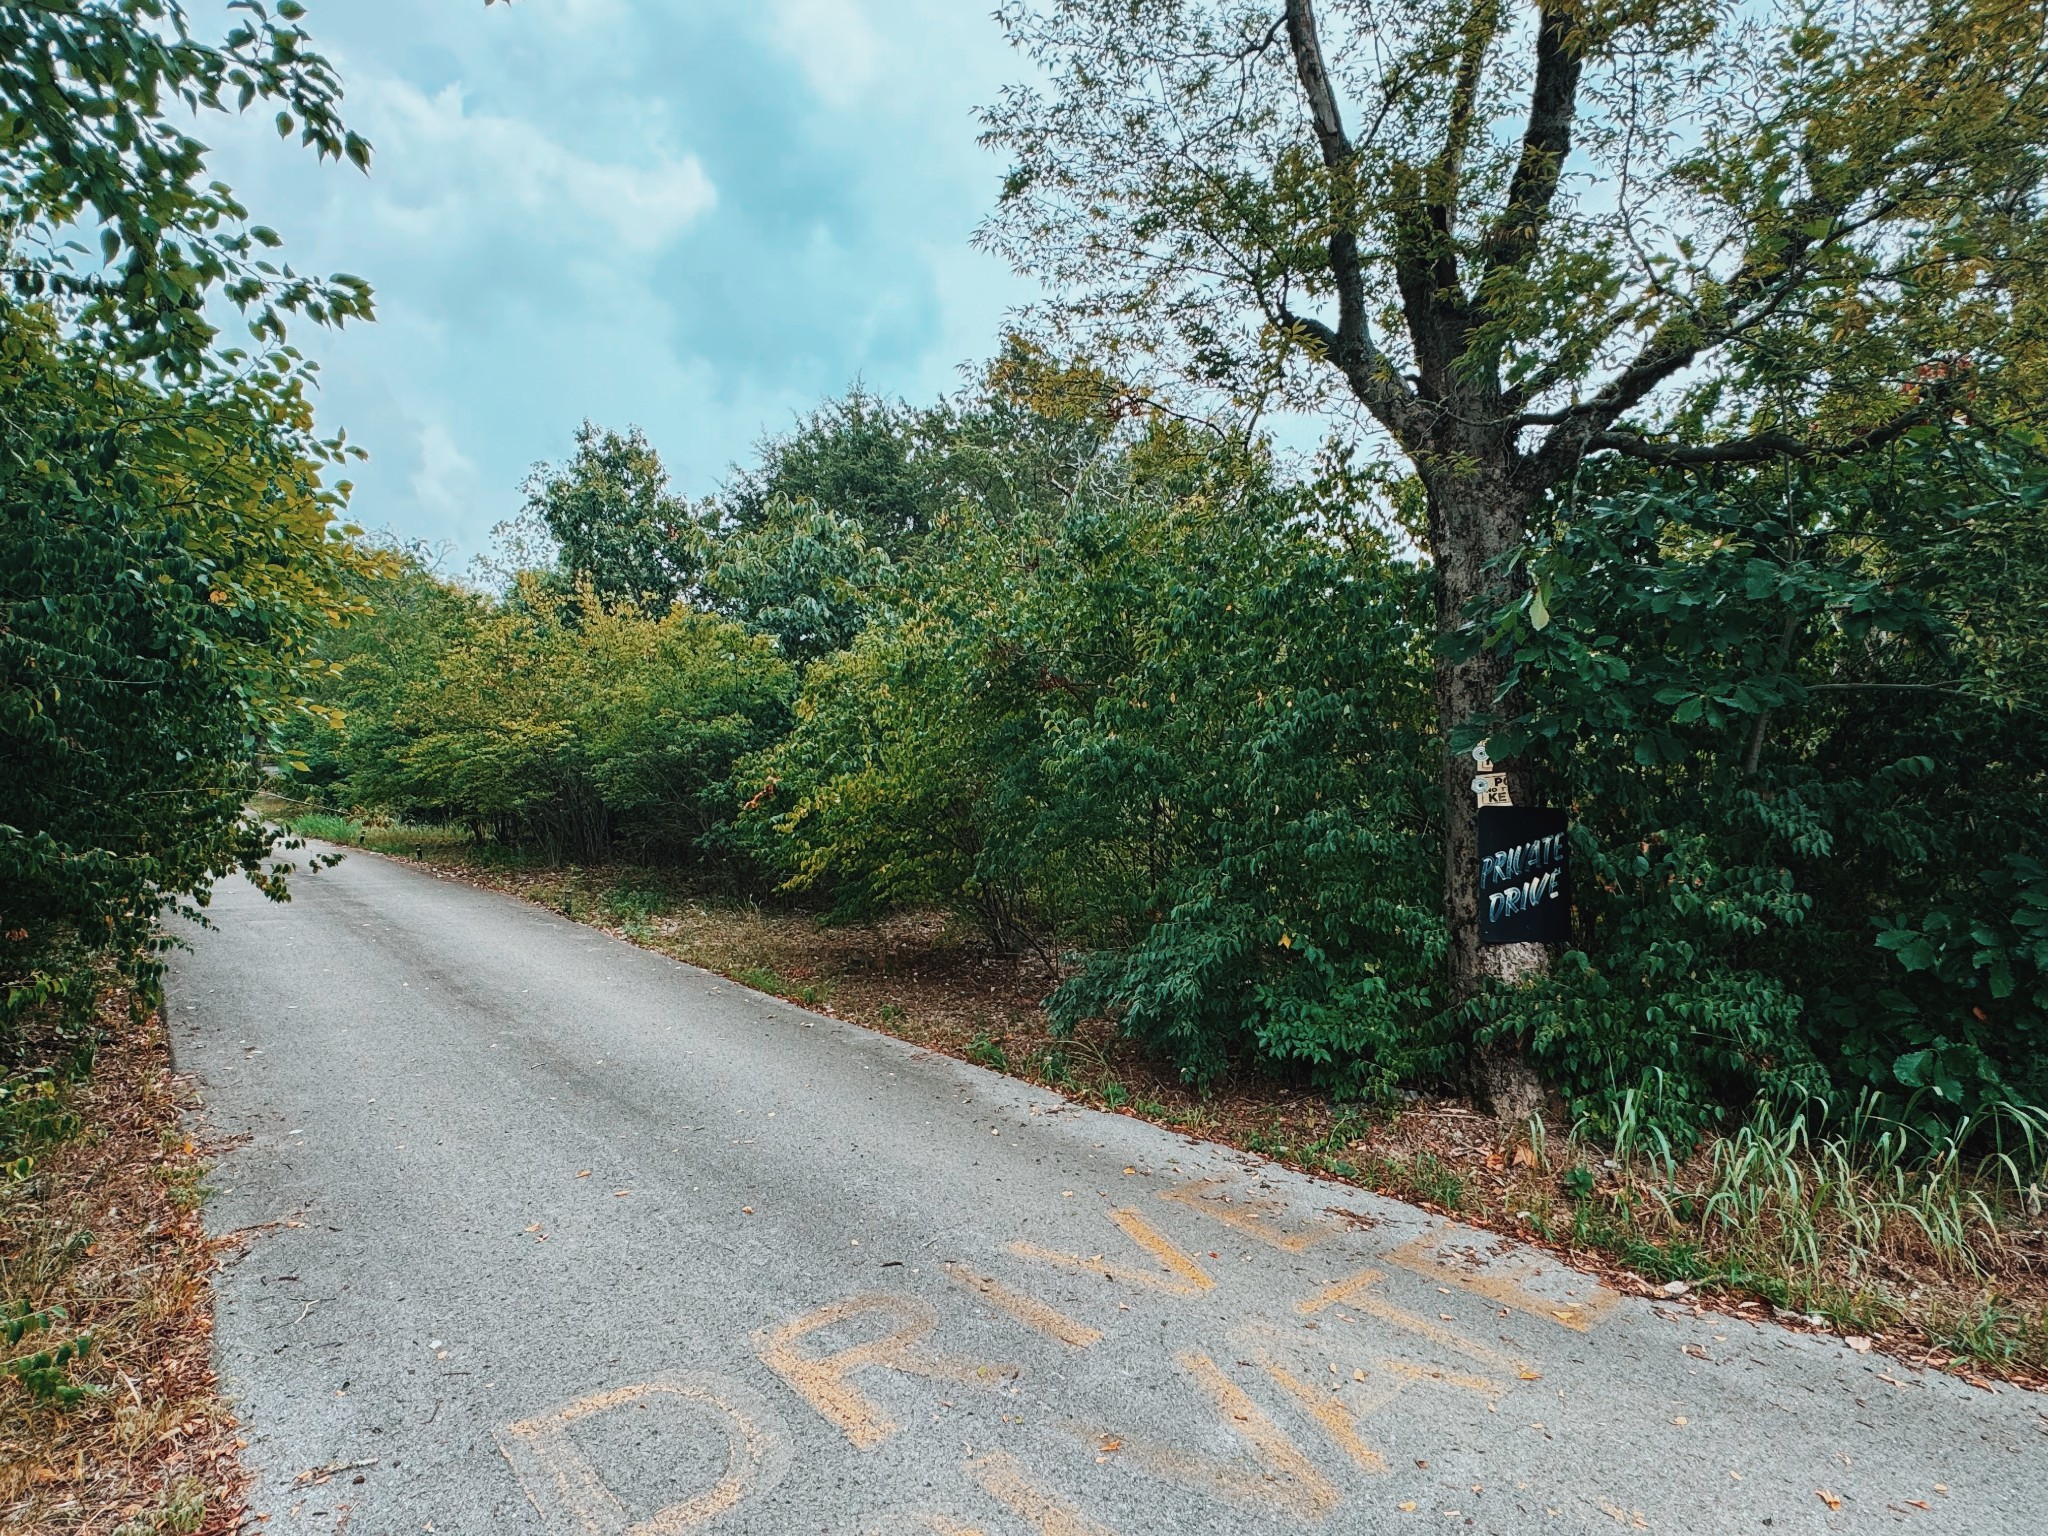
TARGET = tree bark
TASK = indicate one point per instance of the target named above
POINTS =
(1478, 512)
(1456, 421)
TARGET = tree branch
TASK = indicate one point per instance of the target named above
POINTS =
(1315, 82)
(1444, 184)
(1349, 346)
(1553, 103)
(1762, 445)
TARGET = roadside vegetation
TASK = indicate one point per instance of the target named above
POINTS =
(110, 1416)
(172, 553)
(1141, 704)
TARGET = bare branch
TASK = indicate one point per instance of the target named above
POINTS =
(1480, 29)
(1315, 82)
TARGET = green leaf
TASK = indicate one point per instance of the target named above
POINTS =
(1912, 1068)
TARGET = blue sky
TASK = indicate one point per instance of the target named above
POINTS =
(702, 216)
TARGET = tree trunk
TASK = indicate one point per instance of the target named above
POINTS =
(1477, 513)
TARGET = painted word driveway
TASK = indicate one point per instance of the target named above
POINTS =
(549, 1234)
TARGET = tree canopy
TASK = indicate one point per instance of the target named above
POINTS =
(1508, 238)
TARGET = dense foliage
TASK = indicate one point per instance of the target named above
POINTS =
(1181, 723)
(1801, 720)
(162, 556)
(563, 724)
(168, 540)
(1516, 242)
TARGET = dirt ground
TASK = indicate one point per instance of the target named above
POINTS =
(106, 1227)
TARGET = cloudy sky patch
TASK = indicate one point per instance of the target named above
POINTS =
(700, 217)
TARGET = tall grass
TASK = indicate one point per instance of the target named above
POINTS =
(375, 833)
(1812, 1194)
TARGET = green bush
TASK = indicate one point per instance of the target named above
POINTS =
(165, 556)
(1800, 723)
(1179, 724)
(566, 724)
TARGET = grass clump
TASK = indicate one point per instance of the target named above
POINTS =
(1866, 1222)
(765, 978)
(987, 1051)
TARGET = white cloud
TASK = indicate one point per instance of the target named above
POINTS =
(695, 217)
(832, 43)
(446, 483)
(439, 165)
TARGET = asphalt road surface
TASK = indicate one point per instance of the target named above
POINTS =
(550, 1234)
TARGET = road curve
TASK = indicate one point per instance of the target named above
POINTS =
(550, 1234)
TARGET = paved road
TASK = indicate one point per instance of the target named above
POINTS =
(559, 1236)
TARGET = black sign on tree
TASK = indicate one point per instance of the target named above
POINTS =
(1525, 884)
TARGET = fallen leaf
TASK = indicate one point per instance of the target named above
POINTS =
(1833, 1501)
(1111, 1445)
(746, 1210)
(1408, 1505)
(583, 1174)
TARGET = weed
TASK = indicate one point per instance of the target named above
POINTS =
(34, 1116)
(764, 978)
(1115, 1094)
(1271, 1142)
(182, 1512)
(46, 1373)
(1346, 1129)
(1053, 1069)
(1436, 1181)
(1986, 1334)
(326, 826)
(1802, 1196)
(891, 1014)
(632, 906)
(1579, 1182)
(985, 1050)
(1852, 1310)
(1660, 1261)
(184, 1184)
